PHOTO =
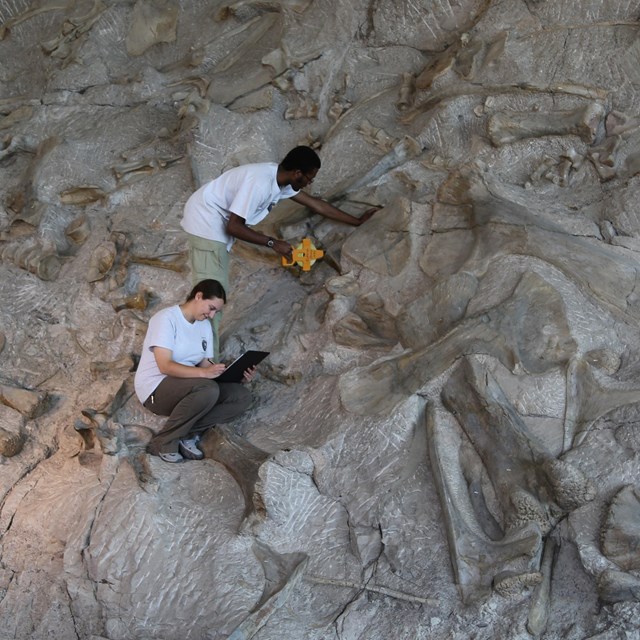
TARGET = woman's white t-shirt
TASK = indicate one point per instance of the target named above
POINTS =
(189, 343)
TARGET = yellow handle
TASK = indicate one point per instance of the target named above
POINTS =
(305, 254)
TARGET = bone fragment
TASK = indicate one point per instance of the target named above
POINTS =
(375, 136)
(11, 443)
(407, 93)
(33, 258)
(83, 195)
(65, 45)
(617, 586)
(35, 10)
(101, 261)
(280, 584)
(505, 128)
(78, 230)
(366, 586)
(541, 597)
(29, 403)
(152, 21)
(172, 261)
(19, 114)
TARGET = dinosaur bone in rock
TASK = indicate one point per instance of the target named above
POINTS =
(620, 535)
(541, 597)
(65, 45)
(283, 573)
(530, 484)
(477, 559)
(384, 244)
(508, 127)
(240, 458)
(44, 263)
(406, 149)
(606, 273)
(588, 400)
(529, 329)
(151, 23)
(28, 402)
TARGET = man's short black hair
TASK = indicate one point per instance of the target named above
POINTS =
(303, 158)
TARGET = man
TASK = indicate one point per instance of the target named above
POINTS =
(226, 208)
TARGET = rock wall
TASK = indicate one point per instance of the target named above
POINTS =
(444, 442)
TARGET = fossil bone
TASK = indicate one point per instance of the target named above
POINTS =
(101, 261)
(477, 559)
(505, 128)
(30, 403)
(620, 536)
(530, 484)
(378, 137)
(240, 458)
(78, 230)
(10, 443)
(407, 92)
(67, 43)
(34, 10)
(19, 114)
(403, 151)
(283, 573)
(588, 400)
(516, 332)
(152, 21)
(541, 597)
(83, 195)
(172, 261)
(127, 171)
(33, 258)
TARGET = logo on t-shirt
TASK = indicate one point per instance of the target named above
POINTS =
(204, 344)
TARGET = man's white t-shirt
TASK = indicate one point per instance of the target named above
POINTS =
(250, 191)
(189, 343)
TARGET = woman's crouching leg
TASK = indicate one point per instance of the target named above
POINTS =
(234, 399)
(194, 400)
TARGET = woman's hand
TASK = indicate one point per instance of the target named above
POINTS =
(213, 370)
(249, 374)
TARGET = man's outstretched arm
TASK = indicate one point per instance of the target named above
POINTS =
(327, 210)
(236, 227)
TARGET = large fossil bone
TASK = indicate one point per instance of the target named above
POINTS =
(516, 332)
(240, 458)
(505, 128)
(530, 484)
(477, 559)
(588, 400)
(620, 535)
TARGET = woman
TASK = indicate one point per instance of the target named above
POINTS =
(176, 375)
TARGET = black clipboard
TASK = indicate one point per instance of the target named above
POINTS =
(235, 371)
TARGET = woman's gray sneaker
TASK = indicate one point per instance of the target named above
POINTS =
(189, 449)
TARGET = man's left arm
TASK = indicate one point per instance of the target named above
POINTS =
(327, 210)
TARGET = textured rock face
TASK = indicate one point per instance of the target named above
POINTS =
(444, 442)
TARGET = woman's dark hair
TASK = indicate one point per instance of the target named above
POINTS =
(209, 289)
(303, 158)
